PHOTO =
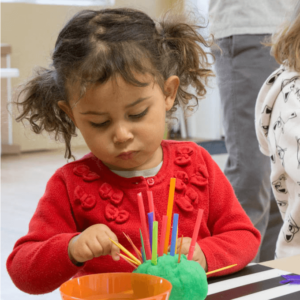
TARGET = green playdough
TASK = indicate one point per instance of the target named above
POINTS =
(188, 278)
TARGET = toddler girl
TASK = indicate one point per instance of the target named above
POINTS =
(278, 131)
(116, 75)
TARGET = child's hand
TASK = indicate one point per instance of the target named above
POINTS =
(198, 256)
(93, 242)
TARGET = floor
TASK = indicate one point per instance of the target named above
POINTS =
(23, 181)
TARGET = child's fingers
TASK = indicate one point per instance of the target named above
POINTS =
(105, 243)
(115, 251)
(185, 247)
(83, 253)
(96, 247)
(178, 245)
(185, 240)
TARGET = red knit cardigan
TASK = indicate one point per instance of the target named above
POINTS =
(86, 192)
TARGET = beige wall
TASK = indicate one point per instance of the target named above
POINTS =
(4, 115)
(31, 30)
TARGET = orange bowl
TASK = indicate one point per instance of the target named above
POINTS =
(116, 286)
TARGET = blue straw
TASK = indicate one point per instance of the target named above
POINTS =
(150, 221)
(174, 234)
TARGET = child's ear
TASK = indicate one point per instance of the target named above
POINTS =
(170, 88)
(63, 105)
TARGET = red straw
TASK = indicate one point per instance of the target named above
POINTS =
(195, 234)
(150, 203)
(134, 246)
(137, 252)
(163, 236)
(144, 226)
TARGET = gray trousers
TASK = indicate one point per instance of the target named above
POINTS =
(241, 69)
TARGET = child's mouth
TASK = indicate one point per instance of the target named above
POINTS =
(127, 155)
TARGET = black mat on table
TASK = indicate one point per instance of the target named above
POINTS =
(246, 287)
(214, 147)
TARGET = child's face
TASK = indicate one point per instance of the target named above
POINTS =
(123, 125)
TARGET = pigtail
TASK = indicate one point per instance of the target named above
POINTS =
(285, 42)
(37, 100)
(185, 54)
(96, 45)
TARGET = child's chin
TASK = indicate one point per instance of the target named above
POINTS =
(125, 165)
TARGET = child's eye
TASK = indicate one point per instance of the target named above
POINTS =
(97, 125)
(139, 115)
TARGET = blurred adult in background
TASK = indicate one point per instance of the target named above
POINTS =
(242, 65)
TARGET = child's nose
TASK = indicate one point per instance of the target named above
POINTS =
(122, 134)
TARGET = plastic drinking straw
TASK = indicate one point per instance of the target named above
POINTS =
(137, 252)
(179, 253)
(143, 247)
(162, 236)
(151, 203)
(195, 234)
(144, 225)
(174, 234)
(218, 270)
(169, 213)
(176, 241)
(154, 243)
(143, 255)
(123, 256)
(126, 251)
(150, 224)
(127, 258)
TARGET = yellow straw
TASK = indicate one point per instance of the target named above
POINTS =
(126, 251)
(218, 270)
(179, 253)
(127, 258)
(169, 213)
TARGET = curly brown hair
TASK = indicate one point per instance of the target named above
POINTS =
(285, 43)
(96, 45)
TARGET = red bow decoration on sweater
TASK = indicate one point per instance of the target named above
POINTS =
(113, 213)
(183, 176)
(193, 196)
(181, 180)
(200, 178)
(86, 201)
(107, 192)
(84, 172)
(183, 156)
(185, 202)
